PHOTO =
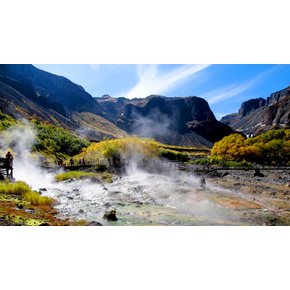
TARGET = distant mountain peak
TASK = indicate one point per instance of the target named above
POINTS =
(260, 115)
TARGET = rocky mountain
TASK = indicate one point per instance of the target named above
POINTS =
(181, 121)
(42, 87)
(28, 92)
(259, 115)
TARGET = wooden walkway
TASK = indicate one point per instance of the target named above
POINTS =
(6, 168)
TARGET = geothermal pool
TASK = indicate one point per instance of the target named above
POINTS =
(143, 198)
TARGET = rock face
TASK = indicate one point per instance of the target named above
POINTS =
(180, 121)
(44, 87)
(259, 115)
(251, 105)
(28, 92)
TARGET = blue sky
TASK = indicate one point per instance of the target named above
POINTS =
(225, 87)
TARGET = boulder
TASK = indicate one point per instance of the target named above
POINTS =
(110, 215)
(258, 173)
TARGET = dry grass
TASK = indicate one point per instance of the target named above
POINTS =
(18, 188)
(74, 174)
(35, 198)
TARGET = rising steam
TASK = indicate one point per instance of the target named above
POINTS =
(19, 140)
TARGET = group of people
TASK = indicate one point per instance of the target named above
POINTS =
(81, 162)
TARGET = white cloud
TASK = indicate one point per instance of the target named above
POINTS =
(235, 90)
(226, 92)
(152, 81)
(95, 67)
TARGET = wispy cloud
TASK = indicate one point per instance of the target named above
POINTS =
(152, 81)
(235, 90)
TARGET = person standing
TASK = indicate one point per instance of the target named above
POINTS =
(9, 158)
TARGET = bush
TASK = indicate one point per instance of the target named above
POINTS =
(173, 155)
(18, 188)
(57, 141)
(272, 146)
(36, 199)
(23, 189)
(125, 148)
(6, 121)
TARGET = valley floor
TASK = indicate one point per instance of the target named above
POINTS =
(270, 194)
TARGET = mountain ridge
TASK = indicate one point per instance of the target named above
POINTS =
(260, 115)
(185, 116)
(26, 91)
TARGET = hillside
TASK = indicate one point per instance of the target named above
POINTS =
(30, 93)
(259, 115)
(181, 121)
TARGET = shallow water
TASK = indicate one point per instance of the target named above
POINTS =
(151, 199)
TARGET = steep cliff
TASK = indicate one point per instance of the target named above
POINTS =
(259, 115)
(182, 121)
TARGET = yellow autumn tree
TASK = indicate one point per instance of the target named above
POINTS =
(229, 148)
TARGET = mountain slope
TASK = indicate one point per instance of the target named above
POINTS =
(259, 115)
(54, 88)
(181, 121)
(27, 92)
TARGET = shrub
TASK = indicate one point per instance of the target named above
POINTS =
(23, 189)
(18, 188)
(52, 140)
(173, 155)
(6, 121)
(272, 146)
(125, 147)
(36, 199)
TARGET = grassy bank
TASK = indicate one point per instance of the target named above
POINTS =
(20, 205)
(105, 176)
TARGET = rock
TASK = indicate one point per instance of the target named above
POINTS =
(95, 179)
(258, 173)
(20, 206)
(215, 173)
(202, 182)
(107, 204)
(225, 174)
(94, 223)
(30, 210)
(81, 211)
(42, 189)
(110, 215)
(237, 184)
(44, 224)
(75, 190)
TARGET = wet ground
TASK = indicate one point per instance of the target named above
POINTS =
(177, 199)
